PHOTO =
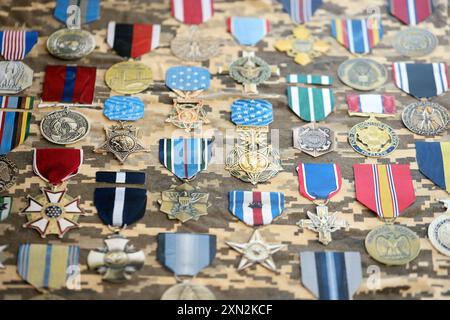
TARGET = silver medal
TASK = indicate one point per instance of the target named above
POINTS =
(314, 140)
(425, 118)
(8, 173)
(439, 231)
(64, 126)
(71, 44)
(414, 42)
(15, 76)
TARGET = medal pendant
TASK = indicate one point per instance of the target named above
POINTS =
(184, 203)
(188, 114)
(192, 46)
(188, 290)
(425, 118)
(71, 44)
(250, 71)
(323, 223)
(253, 159)
(15, 76)
(64, 126)
(52, 212)
(128, 77)
(313, 139)
(362, 74)
(117, 260)
(373, 138)
(393, 244)
(439, 231)
(415, 42)
(122, 141)
(8, 173)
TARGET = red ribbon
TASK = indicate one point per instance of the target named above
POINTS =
(56, 165)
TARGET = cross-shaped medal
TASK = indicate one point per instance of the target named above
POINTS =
(323, 223)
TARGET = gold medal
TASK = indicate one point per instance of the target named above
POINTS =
(128, 77)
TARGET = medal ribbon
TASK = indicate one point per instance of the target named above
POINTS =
(256, 208)
(309, 79)
(185, 158)
(256, 113)
(118, 108)
(71, 84)
(319, 181)
(421, 80)
(411, 12)
(120, 177)
(90, 10)
(371, 104)
(47, 266)
(359, 36)
(433, 159)
(184, 78)
(120, 207)
(133, 40)
(248, 31)
(192, 11)
(15, 45)
(56, 165)
(301, 11)
(311, 104)
(186, 254)
(387, 190)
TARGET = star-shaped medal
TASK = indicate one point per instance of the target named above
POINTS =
(188, 115)
(256, 250)
(53, 212)
(121, 140)
(2, 256)
(184, 203)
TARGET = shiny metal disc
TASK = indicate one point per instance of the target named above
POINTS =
(439, 234)
(362, 74)
(128, 77)
(188, 291)
(15, 76)
(64, 126)
(425, 118)
(71, 44)
(393, 244)
(414, 42)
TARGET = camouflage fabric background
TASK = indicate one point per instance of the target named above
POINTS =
(427, 277)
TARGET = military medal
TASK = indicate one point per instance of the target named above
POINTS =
(188, 83)
(411, 12)
(8, 173)
(253, 159)
(301, 11)
(54, 212)
(122, 139)
(248, 31)
(256, 251)
(256, 208)
(5, 207)
(387, 190)
(313, 139)
(331, 275)
(15, 76)
(423, 81)
(320, 182)
(49, 267)
(88, 11)
(302, 46)
(131, 41)
(372, 138)
(439, 231)
(64, 126)
(311, 104)
(191, 45)
(362, 74)
(433, 159)
(186, 254)
(414, 42)
(192, 12)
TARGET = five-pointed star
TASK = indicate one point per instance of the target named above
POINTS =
(2, 257)
(256, 250)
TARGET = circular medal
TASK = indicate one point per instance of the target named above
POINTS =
(15, 76)
(188, 291)
(314, 140)
(250, 69)
(362, 74)
(425, 118)
(439, 234)
(71, 44)
(64, 126)
(373, 138)
(8, 173)
(129, 77)
(393, 244)
(414, 42)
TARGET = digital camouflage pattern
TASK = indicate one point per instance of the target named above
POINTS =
(427, 277)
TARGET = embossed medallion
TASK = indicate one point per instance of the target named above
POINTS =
(8, 173)
(191, 45)
(71, 44)
(128, 77)
(362, 74)
(313, 139)
(414, 42)
(425, 118)
(15, 76)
